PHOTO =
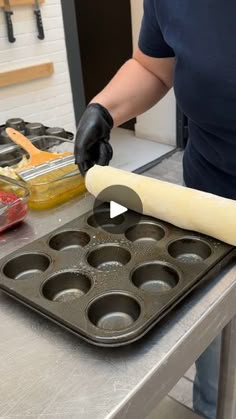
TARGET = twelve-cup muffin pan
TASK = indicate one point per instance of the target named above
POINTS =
(110, 281)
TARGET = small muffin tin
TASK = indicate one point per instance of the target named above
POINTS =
(111, 288)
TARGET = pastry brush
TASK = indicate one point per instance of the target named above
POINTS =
(43, 165)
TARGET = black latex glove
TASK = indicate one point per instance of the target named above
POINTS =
(91, 142)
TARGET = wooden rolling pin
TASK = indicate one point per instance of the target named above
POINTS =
(184, 207)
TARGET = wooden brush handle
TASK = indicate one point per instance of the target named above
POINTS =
(21, 140)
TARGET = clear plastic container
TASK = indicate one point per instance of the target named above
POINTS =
(13, 202)
(48, 194)
(52, 190)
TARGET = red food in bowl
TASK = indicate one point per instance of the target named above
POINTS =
(13, 209)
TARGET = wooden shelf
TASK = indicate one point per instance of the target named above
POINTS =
(15, 3)
(26, 74)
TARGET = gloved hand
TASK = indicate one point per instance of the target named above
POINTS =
(91, 142)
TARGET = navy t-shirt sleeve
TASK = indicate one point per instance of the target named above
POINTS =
(151, 41)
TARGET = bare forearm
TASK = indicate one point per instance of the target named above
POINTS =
(132, 91)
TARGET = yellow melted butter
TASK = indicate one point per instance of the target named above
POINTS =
(47, 197)
(48, 191)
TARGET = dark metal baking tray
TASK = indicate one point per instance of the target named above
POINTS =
(111, 288)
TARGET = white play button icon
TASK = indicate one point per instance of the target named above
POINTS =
(116, 209)
(114, 217)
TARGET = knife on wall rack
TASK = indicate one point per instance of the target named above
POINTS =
(39, 20)
(8, 15)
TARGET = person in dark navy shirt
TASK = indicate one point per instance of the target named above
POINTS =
(200, 36)
(188, 45)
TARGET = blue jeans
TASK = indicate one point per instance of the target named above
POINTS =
(205, 390)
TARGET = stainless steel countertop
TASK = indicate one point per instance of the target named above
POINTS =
(47, 372)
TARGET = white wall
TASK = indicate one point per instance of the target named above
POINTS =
(47, 100)
(158, 124)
